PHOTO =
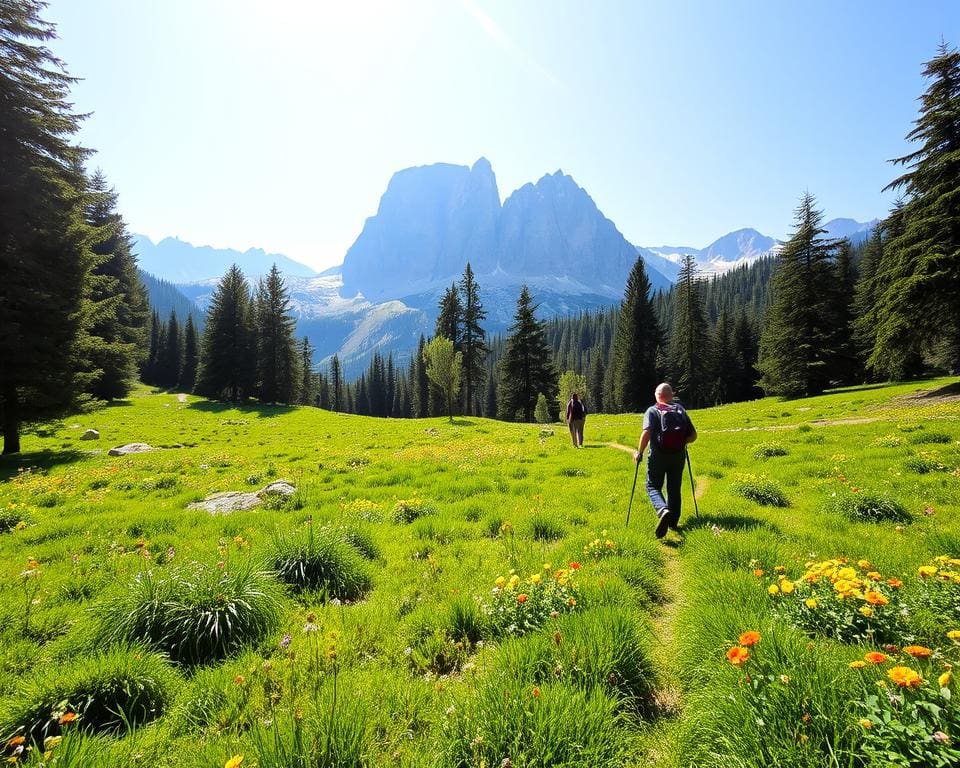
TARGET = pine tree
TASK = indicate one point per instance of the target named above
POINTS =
(337, 398)
(45, 257)
(228, 359)
(595, 376)
(845, 367)
(473, 342)
(422, 383)
(745, 349)
(864, 334)
(278, 375)
(918, 303)
(635, 345)
(795, 347)
(490, 399)
(170, 358)
(191, 356)
(119, 309)
(526, 368)
(148, 372)
(450, 318)
(689, 351)
(309, 385)
(724, 361)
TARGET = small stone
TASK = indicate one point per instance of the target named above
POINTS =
(123, 450)
(283, 487)
(90, 434)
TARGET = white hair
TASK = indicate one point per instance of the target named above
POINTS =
(662, 388)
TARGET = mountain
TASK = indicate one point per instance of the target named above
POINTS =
(855, 231)
(166, 297)
(181, 262)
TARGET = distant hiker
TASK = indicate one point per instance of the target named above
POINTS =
(576, 416)
(667, 429)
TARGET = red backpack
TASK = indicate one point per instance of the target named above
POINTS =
(674, 428)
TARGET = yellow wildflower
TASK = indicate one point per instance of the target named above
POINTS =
(234, 762)
(786, 586)
(810, 603)
(945, 679)
(925, 571)
(773, 589)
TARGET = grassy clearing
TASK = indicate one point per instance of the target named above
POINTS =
(375, 617)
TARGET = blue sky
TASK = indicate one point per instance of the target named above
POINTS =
(278, 124)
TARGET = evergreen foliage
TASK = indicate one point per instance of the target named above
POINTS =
(527, 368)
(473, 342)
(277, 366)
(918, 304)
(638, 337)
(309, 389)
(191, 356)
(170, 354)
(845, 366)
(337, 399)
(689, 346)
(796, 349)
(45, 257)
(227, 357)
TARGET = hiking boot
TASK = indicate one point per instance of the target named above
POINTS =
(665, 516)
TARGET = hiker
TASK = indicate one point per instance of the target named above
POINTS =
(667, 429)
(576, 416)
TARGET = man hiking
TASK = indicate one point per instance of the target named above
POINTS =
(667, 429)
(576, 416)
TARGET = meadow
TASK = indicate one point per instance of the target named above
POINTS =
(468, 594)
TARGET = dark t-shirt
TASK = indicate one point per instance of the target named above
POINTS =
(651, 421)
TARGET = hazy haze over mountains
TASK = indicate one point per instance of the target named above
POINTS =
(430, 222)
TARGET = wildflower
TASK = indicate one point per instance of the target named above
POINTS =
(758, 572)
(284, 644)
(67, 717)
(954, 634)
(553, 614)
(858, 664)
(894, 582)
(926, 571)
(514, 580)
(773, 589)
(945, 679)
(547, 567)
(876, 598)
(521, 598)
(874, 575)
(785, 679)
(738, 656)
(905, 677)
(748, 639)
(52, 742)
(810, 602)
(867, 611)
(779, 569)
(536, 692)
(866, 723)
(918, 651)
(865, 564)
(500, 581)
(535, 578)
(786, 586)
(571, 601)
(239, 680)
(234, 762)
(574, 566)
(875, 657)
(15, 741)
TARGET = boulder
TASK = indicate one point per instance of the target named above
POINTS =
(123, 450)
(90, 434)
(235, 501)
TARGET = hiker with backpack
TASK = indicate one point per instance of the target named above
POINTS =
(576, 416)
(667, 429)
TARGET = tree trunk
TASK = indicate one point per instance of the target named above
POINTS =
(11, 423)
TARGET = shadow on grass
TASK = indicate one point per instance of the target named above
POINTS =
(950, 390)
(263, 411)
(463, 423)
(729, 523)
(43, 460)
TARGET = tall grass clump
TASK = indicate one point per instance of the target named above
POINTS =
(598, 649)
(870, 507)
(544, 527)
(318, 559)
(105, 693)
(769, 451)
(196, 613)
(407, 510)
(509, 722)
(761, 490)
(930, 438)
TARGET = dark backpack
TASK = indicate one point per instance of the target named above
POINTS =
(674, 428)
(577, 411)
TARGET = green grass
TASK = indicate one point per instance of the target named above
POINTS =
(412, 523)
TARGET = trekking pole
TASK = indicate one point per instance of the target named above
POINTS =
(693, 489)
(635, 473)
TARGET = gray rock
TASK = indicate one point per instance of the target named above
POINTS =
(123, 450)
(90, 434)
(236, 501)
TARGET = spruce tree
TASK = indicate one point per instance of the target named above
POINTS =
(918, 302)
(845, 366)
(422, 383)
(119, 310)
(526, 368)
(228, 360)
(796, 344)
(724, 362)
(635, 345)
(689, 349)
(450, 318)
(473, 342)
(148, 372)
(864, 334)
(278, 375)
(170, 358)
(745, 349)
(191, 356)
(595, 376)
(45, 257)
(337, 399)
(309, 385)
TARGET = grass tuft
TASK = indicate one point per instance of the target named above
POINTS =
(761, 490)
(319, 559)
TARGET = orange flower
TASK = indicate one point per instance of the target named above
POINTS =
(875, 657)
(750, 638)
(521, 598)
(905, 677)
(16, 741)
(758, 572)
(876, 598)
(536, 692)
(738, 656)
(67, 717)
(918, 651)
(571, 602)
(574, 566)
(895, 583)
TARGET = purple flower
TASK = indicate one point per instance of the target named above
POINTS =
(285, 642)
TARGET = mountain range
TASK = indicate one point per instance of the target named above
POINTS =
(430, 222)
